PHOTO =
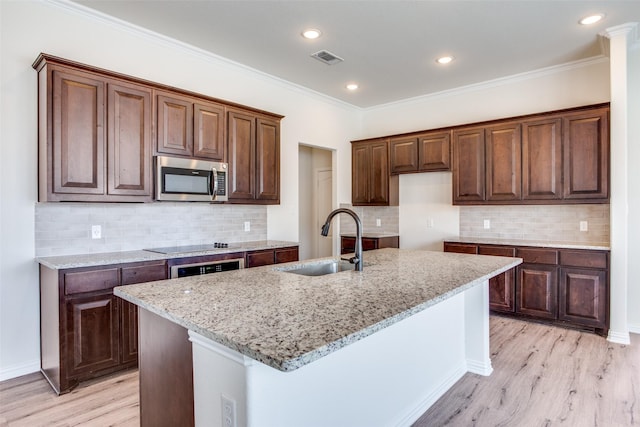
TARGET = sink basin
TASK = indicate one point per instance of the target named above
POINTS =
(319, 269)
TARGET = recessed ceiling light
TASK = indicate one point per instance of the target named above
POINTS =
(352, 86)
(591, 19)
(444, 59)
(311, 33)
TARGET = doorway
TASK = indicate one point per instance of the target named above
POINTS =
(315, 200)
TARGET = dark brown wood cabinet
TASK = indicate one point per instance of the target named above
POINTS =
(562, 286)
(94, 136)
(254, 158)
(586, 155)
(541, 154)
(420, 153)
(190, 126)
(468, 165)
(86, 331)
(271, 256)
(371, 182)
(503, 168)
(348, 243)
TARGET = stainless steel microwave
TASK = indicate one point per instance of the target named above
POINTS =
(191, 180)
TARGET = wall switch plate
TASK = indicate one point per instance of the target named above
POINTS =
(487, 224)
(584, 226)
(228, 411)
(96, 232)
(378, 222)
(430, 223)
(247, 226)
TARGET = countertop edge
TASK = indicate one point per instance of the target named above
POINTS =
(530, 243)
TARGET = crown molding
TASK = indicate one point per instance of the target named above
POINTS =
(630, 30)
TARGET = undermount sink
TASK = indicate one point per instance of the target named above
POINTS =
(319, 268)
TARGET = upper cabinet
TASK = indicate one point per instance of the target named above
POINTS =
(98, 131)
(94, 136)
(555, 158)
(190, 126)
(254, 158)
(420, 153)
(371, 183)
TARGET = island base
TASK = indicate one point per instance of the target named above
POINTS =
(389, 378)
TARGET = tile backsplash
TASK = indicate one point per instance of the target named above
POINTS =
(65, 228)
(554, 223)
(388, 216)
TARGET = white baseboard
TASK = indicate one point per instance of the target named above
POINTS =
(428, 401)
(619, 337)
(634, 328)
(479, 367)
(9, 372)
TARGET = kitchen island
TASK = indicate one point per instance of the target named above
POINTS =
(371, 348)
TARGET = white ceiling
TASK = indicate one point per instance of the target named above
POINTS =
(389, 47)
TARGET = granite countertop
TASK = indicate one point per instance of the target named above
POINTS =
(604, 246)
(286, 320)
(107, 258)
(371, 235)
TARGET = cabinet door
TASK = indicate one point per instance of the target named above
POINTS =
(586, 155)
(260, 258)
(461, 248)
(268, 160)
(583, 296)
(286, 255)
(128, 331)
(502, 286)
(468, 165)
(242, 169)
(403, 155)
(208, 131)
(542, 159)
(174, 124)
(129, 141)
(92, 334)
(537, 290)
(434, 152)
(360, 173)
(503, 162)
(379, 174)
(78, 133)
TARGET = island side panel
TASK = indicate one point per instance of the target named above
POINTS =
(166, 372)
(388, 378)
(477, 329)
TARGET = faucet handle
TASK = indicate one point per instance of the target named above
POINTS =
(351, 260)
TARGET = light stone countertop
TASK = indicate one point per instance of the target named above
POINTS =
(286, 320)
(108, 258)
(532, 243)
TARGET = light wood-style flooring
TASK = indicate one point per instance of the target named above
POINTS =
(543, 376)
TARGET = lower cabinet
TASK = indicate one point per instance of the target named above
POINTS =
(348, 244)
(563, 286)
(271, 256)
(86, 331)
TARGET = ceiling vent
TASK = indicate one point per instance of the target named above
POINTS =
(327, 57)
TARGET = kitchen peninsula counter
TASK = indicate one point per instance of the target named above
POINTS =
(412, 320)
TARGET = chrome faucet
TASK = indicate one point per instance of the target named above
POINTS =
(357, 259)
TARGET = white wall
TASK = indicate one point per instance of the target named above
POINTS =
(633, 312)
(28, 28)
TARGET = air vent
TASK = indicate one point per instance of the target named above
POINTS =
(327, 57)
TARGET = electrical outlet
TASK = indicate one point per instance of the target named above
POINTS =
(584, 226)
(430, 223)
(247, 226)
(487, 224)
(228, 412)
(96, 232)
(378, 222)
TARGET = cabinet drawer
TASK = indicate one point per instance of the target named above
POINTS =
(584, 259)
(89, 281)
(144, 273)
(286, 255)
(461, 248)
(538, 256)
(496, 251)
(259, 258)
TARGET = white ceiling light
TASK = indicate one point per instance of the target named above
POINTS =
(444, 59)
(311, 33)
(591, 19)
(352, 86)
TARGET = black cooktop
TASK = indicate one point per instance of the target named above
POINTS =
(189, 248)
